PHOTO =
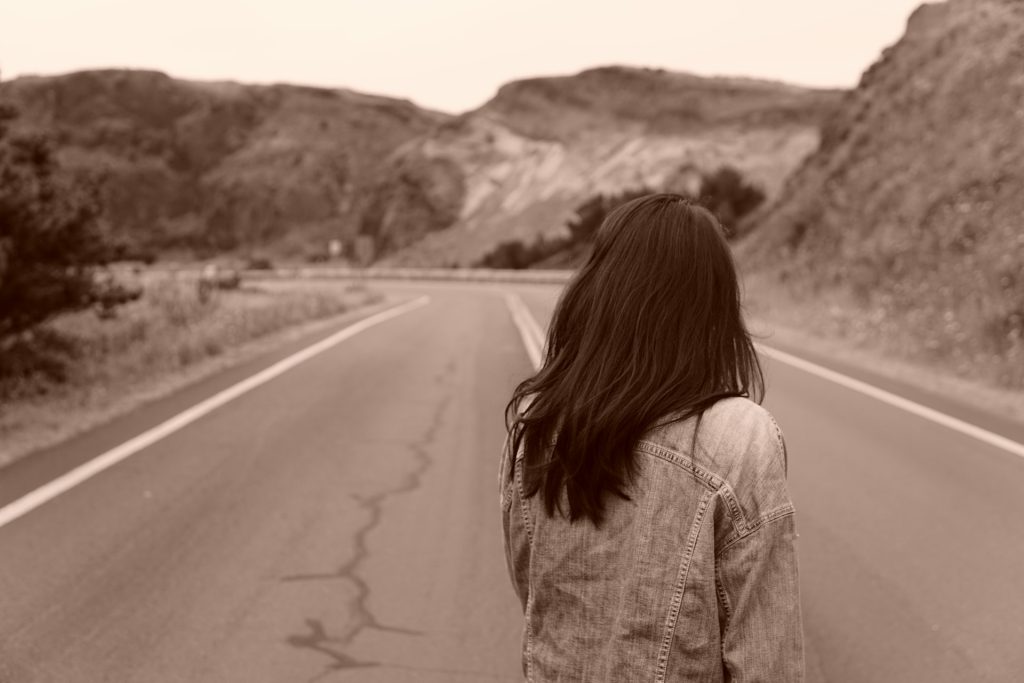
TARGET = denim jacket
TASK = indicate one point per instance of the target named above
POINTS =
(692, 579)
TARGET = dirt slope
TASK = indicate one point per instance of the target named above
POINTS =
(541, 146)
(912, 209)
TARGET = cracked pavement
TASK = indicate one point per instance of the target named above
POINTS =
(340, 524)
(337, 524)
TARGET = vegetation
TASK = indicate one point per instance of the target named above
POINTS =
(729, 196)
(591, 213)
(514, 255)
(725, 192)
(51, 245)
(906, 222)
(934, 346)
(166, 338)
(191, 169)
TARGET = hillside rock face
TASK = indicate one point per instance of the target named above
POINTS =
(542, 146)
(213, 167)
(206, 168)
(914, 202)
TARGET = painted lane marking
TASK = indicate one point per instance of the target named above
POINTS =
(539, 335)
(47, 492)
(909, 406)
(528, 328)
(531, 329)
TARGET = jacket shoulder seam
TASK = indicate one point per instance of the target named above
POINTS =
(770, 516)
(706, 477)
(711, 481)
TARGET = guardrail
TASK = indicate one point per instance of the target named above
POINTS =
(441, 274)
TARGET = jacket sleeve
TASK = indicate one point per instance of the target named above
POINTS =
(758, 586)
(514, 528)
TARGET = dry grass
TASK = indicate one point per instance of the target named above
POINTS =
(907, 347)
(162, 342)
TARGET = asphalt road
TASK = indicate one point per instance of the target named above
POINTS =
(911, 542)
(338, 523)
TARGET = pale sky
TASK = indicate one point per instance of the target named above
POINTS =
(450, 55)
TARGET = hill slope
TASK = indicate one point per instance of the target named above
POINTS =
(210, 167)
(541, 146)
(912, 209)
(206, 168)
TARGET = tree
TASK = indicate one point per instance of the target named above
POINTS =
(729, 196)
(591, 213)
(51, 239)
(725, 193)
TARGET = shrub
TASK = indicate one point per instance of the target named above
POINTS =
(515, 255)
(510, 255)
(51, 240)
(259, 263)
(724, 192)
(729, 196)
(591, 213)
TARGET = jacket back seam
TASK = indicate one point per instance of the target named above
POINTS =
(677, 596)
(711, 481)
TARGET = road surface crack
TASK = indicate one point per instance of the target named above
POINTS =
(318, 641)
(362, 617)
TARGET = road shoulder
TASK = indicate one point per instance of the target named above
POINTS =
(151, 405)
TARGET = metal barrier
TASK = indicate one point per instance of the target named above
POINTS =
(557, 277)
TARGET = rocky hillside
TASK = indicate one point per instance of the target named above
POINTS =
(541, 146)
(913, 206)
(211, 167)
(203, 168)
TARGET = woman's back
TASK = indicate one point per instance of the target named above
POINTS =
(648, 528)
(693, 578)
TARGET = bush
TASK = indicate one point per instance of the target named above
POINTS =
(34, 360)
(510, 255)
(729, 196)
(591, 213)
(515, 255)
(725, 193)
(51, 240)
(111, 294)
(126, 252)
(259, 263)
(214, 278)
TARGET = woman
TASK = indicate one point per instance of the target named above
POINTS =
(648, 527)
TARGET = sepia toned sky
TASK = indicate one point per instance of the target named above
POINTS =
(448, 54)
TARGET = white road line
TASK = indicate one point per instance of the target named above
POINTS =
(69, 480)
(533, 339)
(530, 332)
(927, 413)
(539, 335)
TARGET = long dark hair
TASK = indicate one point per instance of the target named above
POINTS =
(649, 330)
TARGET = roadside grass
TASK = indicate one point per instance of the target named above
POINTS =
(944, 351)
(157, 344)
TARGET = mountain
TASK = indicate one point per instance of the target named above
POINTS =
(212, 167)
(913, 205)
(196, 168)
(541, 146)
